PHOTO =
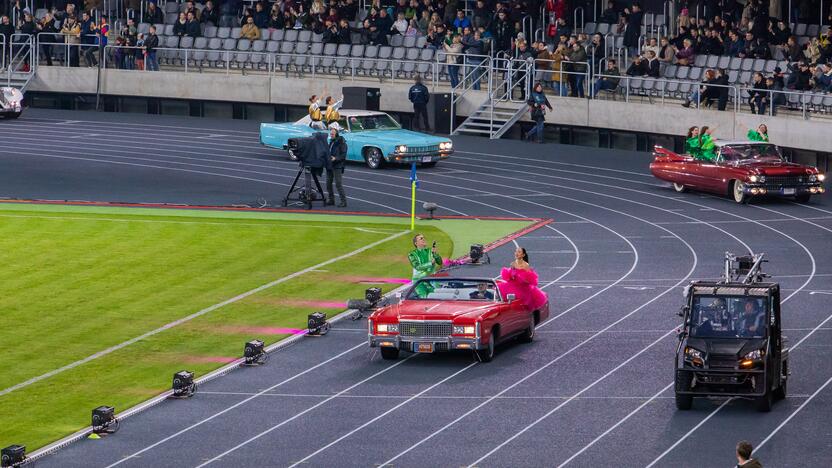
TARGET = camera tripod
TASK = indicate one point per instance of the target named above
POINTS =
(306, 193)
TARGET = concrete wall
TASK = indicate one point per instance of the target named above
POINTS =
(669, 118)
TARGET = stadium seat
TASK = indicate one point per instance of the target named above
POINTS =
(302, 48)
(383, 64)
(209, 31)
(735, 63)
(421, 42)
(199, 53)
(813, 30)
(317, 37)
(236, 33)
(603, 29)
(746, 64)
(695, 73)
(800, 29)
(409, 41)
(589, 28)
(700, 60)
(745, 77)
(724, 62)
(305, 35)
(287, 47)
(682, 73)
(291, 35)
(171, 7)
(733, 76)
(227, 21)
(397, 40)
(168, 30)
(759, 65)
(316, 48)
(171, 18)
(712, 61)
(223, 33)
(212, 57)
(143, 28)
(273, 47)
(770, 65)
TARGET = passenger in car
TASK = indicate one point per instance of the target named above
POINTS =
(482, 292)
(520, 279)
(707, 146)
(761, 134)
(692, 142)
(425, 262)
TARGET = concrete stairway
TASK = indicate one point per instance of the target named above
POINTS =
(492, 118)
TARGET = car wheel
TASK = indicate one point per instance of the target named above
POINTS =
(487, 354)
(803, 198)
(528, 335)
(764, 402)
(683, 382)
(738, 189)
(390, 353)
(679, 187)
(781, 392)
(374, 158)
(292, 155)
(13, 115)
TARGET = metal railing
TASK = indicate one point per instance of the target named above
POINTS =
(3, 52)
(472, 79)
(21, 65)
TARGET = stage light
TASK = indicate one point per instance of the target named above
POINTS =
(254, 353)
(373, 296)
(183, 384)
(317, 324)
(13, 455)
(104, 420)
(430, 208)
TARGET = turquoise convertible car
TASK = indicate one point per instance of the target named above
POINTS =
(372, 137)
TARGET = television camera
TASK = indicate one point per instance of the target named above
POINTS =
(312, 153)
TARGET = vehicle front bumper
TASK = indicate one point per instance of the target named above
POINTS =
(438, 344)
(427, 157)
(725, 382)
(762, 189)
(12, 109)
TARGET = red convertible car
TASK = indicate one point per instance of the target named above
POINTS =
(741, 169)
(446, 314)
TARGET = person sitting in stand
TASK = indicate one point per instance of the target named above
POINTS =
(315, 113)
(482, 292)
(521, 280)
(761, 134)
(331, 115)
(692, 142)
(425, 262)
(707, 146)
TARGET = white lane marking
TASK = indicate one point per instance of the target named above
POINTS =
(297, 415)
(85, 135)
(200, 313)
(211, 135)
(302, 460)
(556, 162)
(160, 127)
(653, 398)
(794, 413)
(236, 405)
(436, 397)
(701, 423)
(193, 171)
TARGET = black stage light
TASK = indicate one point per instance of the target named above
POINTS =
(104, 420)
(317, 324)
(373, 296)
(430, 208)
(254, 353)
(183, 384)
(13, 455)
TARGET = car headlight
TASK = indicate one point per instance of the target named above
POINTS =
(813, 178)
(401, 148)
(691, 353)
(446, 145)
(464, 330)
(753, 178)
(756, 354)
(388, 327)
(821, 177)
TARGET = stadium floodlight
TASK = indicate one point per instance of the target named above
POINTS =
(104, 420)
(430, 208)
(317, 324)
(13, 455)
(183, 384)
(254, 353)
(477, 253)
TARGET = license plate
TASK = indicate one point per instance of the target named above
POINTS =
(424, 347)
(788, 191)
(426, 158)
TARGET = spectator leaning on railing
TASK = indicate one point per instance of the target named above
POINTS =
(71, 31)
(151, 42)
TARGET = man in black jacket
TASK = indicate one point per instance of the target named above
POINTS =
(419, 96)
(151, 42)
(338, 160)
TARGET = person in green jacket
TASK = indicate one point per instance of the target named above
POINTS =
(761, 134)
(425, 262)
(692, 142)
(707, 146)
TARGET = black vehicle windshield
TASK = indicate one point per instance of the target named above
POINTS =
(728, 317)
(752, 152)
(454, 290)
(361, 123)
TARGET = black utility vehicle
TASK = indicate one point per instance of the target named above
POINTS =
(730, 343)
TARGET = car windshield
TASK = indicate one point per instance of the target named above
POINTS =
(756, 152)
(454, 290)
(728, 317)
(361, 123)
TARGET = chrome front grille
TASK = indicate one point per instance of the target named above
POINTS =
(425, 329)
(417, 150)
(777, 182)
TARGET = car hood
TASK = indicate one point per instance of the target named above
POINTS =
(398, 137)
(434, 310)
(737, 347)
(777, 169)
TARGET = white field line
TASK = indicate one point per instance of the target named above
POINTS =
(794, 413)
(196, 314)
(701, 423)
(269, 223)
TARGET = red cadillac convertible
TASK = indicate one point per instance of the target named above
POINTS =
(741, 169)
(446, 314)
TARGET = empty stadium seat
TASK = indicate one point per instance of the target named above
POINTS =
(305, 36)
(236, 33)
(421, 42)
(397, 40)
(712, 61)
(277, 35)
(209, 30)
(291, 35)
(409, 41)
(700, 60)
(746, 64)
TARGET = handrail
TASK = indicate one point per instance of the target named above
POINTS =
(2, 52)
(575, 18)
(20, 57)
(475, 72)
(527, 30)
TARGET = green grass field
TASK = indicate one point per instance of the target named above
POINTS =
(79, 280)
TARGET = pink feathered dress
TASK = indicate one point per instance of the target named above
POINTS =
(523, 284)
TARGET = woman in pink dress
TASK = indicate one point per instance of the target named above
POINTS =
(521, 280)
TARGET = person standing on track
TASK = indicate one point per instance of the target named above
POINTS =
(338, 159)
(419, 96)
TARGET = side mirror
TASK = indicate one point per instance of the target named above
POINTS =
(511, 297)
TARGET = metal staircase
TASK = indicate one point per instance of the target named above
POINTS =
(19, 68)
(501, 110)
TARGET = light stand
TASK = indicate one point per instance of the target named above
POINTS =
(430, 207)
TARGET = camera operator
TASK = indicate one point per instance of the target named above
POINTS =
(335, 170)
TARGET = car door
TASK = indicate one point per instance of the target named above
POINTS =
(713, 173)
(515, 317)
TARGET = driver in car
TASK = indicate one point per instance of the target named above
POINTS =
(751, 321)
(482, 292)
